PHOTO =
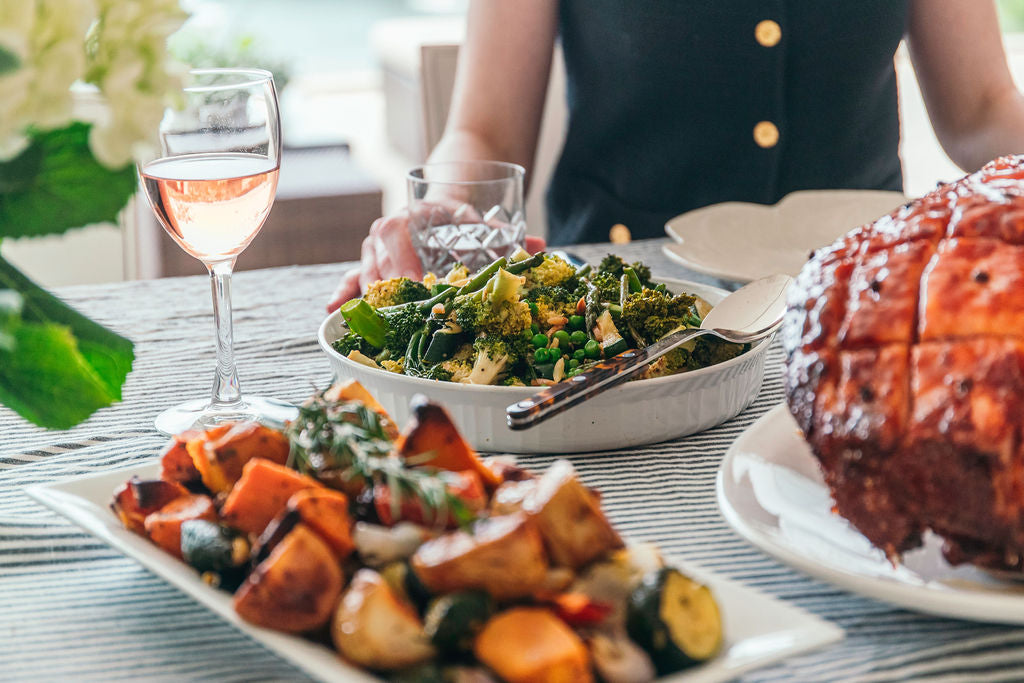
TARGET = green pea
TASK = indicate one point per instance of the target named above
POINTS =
(528, 335)
(573, 364)
(533, 307)
(578, 354)
(577, 322)
(563, 339)
(592, 349)
(578, 338)
(541, 356)
(539, 341)
(535, 328)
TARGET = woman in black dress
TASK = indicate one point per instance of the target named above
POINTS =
(677, 104)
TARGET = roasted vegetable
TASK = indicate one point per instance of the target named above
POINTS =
(380, 545)
(176, 464)
(216, 549)
(532, 645)
(212, 480)
(373, 628)
(225, 454)
(452, 621)
(396, 291)
(675, 619)
(326, 512)
(617, 659)
(137, 498)
(569, 518)
(577, 609)
(296, 588)
(464, 486)
(431, 432)
(164, 526)
(504, 556)
(261, 494)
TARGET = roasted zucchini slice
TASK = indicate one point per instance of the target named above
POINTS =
(215, 550)
(453, 620)
(675, 619)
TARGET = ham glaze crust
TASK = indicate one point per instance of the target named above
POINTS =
(905, 369)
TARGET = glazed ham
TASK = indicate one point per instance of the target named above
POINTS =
(905, 369)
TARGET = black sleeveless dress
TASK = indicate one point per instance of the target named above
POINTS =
(677, 104)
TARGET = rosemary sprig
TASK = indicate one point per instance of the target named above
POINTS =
(347, 442)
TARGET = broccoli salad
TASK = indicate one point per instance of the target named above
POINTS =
(523, 321)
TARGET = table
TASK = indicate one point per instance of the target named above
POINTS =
(72, 609)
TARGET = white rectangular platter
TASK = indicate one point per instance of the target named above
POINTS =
(759, 630)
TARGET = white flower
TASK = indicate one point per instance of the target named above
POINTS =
(47, 36)
(128, 61)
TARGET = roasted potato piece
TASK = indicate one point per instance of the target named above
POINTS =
(532, 645)
(296, 588)
(373, 628)
(569, 517)
(504, 556)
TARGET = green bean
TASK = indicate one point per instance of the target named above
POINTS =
(481, 278)
(532, 262)
(634, 279)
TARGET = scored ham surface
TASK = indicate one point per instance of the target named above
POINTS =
(905, 369)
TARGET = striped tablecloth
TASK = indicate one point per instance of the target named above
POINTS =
(71, 609)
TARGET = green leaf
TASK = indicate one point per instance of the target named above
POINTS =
(56, 184)
(10, 316)
(8, 61)
(64, 366)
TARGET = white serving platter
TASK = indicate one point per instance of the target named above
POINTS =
(741, 241)
(759, 629)
(770, 490)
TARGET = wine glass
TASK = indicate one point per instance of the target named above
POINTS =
(211, 183)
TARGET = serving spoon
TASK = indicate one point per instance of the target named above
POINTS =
(750, 313)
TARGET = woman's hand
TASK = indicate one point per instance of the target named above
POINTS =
(388, 252)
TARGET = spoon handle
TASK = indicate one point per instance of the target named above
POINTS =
(603, 376)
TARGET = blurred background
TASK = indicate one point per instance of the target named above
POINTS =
(364, 92)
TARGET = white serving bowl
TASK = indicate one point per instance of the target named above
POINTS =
(632, 414)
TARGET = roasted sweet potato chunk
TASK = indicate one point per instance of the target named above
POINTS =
(532, 645)
(164, 526)
(431, 431)
(325, 511)
(261, 494)
(296, 588)
(175, 462)
(137, 498)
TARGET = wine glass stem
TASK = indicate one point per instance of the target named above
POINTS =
(226, 392)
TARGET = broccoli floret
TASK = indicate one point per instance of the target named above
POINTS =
(402, 322)
(607, 286)
(494, 355)
(459, 365)
(653, 314)
(612, 265)
(552, 272)
(550, 302)
(397, 290)
(508, 318)
(710, 351)
(353, 342)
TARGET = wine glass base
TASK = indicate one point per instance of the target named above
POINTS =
(199, 414)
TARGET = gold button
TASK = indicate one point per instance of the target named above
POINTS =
(768, 33)
(619, 234)
(766, 134)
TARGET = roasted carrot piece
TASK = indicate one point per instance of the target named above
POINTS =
(433, 437)
(325, 511)
(164, 526)
(295, 589)
(137, 498)
(261, 494)
(532, 645)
